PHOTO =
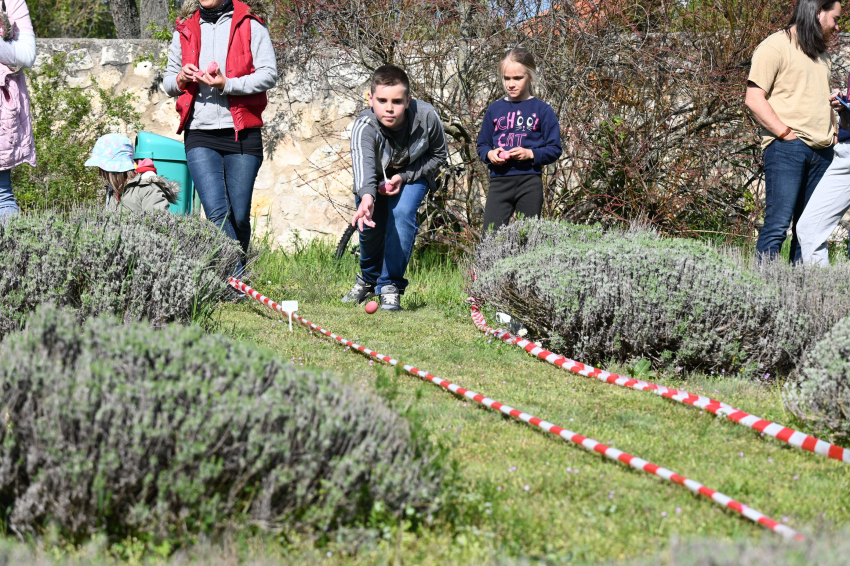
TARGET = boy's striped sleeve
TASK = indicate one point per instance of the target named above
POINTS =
(363, 158)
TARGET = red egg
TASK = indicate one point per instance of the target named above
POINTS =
(384, 187)
(371, 307)
(212, 68)
(504, 154)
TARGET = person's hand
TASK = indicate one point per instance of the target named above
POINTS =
(216, 81)
(791, 136)
(186, 76)
(395, 181)
(833, 100)
(364, 213)
(493, 156)
(521, 154)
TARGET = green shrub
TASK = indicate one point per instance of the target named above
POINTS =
(119, 428)
(66, 122)
(156, 266)
(821, 393)
(598, 295)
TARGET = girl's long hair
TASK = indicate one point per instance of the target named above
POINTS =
(809, 31)
(117, 180)
(525, 58)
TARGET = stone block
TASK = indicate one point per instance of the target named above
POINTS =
(143, 69)
(261, 206)
(288, 153)
(80, 82)
(116, 54)
(79, 60)
(166, 116)
(325, 156)
(109, 78)
(265, 176)
(139, 98)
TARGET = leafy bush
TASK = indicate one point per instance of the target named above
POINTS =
(66, 122)
(156, 266)
(125, 428)
(821, 394)
(599, 294)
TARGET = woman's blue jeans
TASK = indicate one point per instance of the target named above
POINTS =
(8, 204)
(225, 184)
(792, 170)
(385, 249)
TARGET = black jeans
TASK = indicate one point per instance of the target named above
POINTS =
(521, 193)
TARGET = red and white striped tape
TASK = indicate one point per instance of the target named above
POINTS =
(577, 439)
(783, 433)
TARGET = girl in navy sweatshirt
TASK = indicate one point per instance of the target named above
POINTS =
(520, 135)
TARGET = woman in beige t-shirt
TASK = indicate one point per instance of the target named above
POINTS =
(788, 92)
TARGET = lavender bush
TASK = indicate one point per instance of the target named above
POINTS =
(597, 295)
(156, 266)
(122, 428)
(820, 395)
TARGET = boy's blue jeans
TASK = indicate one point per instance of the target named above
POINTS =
(792, 170)
(385, 249)
(225, 184)
(8, 205)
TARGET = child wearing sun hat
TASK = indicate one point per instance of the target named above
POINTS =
(135, 186)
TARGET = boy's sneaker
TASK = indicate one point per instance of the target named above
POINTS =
(390, 298)
(360, 293)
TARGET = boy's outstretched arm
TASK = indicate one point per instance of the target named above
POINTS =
(434, 158)
(364, 163)
(364, 160)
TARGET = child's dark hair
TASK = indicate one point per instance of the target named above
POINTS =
(390, 75)
(117, 180)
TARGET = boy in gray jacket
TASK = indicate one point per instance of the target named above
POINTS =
(397, 148)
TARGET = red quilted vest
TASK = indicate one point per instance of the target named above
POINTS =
(247, 111)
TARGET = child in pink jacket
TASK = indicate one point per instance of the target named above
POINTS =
(17, 50)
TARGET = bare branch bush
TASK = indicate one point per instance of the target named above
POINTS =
(649, 96)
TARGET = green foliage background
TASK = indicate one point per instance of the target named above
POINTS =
(67, 121)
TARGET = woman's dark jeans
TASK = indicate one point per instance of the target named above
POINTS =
(225, 183)
(792, 170)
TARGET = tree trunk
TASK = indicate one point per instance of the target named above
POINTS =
(125, 15)
(154, 12)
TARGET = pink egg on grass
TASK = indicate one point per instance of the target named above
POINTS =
(504, 154)
(371, 307)
(212, 69)
(384, 187)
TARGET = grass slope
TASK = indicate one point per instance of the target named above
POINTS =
(524, 491)
(521, 492)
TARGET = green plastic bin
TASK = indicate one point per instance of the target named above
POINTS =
(169, 158)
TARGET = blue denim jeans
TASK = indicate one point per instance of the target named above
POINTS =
(792, 170)
(225, 184)
(385, 249)
(8, 205)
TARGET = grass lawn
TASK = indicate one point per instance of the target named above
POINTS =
(519, 490)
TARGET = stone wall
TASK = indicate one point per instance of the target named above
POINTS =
(305, 182)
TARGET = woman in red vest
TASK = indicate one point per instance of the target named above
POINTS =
(220, 65)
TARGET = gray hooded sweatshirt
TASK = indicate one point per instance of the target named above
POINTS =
(211, 110)
(371, 152)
